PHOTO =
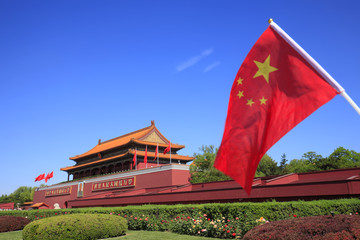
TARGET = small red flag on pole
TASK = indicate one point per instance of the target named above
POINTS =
(41, 177)
(275, 88)
(134, 159)
(145, 157)
(168, 148)
(38, 178)
(156, 151)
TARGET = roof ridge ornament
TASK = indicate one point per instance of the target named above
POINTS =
(99, 142)
(152, 122)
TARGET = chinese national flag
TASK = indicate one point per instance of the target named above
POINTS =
(134, 159)
(145, 157)
(168, 148)
(274, 90)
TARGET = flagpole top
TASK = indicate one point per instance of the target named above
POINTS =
(270, 20)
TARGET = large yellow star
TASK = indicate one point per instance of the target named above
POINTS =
(264, 69)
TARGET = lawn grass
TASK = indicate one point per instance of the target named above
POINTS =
(130, 235)
(15, 235)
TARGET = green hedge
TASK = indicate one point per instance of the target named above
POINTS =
(217, 219)
(76, 226)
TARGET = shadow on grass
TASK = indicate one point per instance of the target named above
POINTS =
(130, 235)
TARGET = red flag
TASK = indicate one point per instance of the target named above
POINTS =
(41, 177)
(47, 177)
(168, 148)
(134, 159)
(156, 151)
(37, 178)
(274, 90)
(51, 174)
(145, 157)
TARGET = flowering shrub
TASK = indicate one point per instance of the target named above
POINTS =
(202, 225)
(315, 227)
(10, 223)
(195, 224)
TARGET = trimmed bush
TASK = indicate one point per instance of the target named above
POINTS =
(11, 223)
(316, 227)
(76, 226)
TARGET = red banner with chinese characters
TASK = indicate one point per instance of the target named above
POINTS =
(113, 184)
(58, 191)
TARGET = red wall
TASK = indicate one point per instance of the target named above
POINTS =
(7, 205)
(157, 179)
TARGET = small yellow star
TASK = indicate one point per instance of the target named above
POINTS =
(250, 102)
(263, 100)
(239, 81)
(240, 94)
(264, 69)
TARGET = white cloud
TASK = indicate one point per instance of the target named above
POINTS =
(211, 66)
(192, 61)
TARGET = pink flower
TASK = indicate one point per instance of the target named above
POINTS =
(234, 234)
(237, 218)
(294, 215)
(205, 215)
(188, 217)
(135, 218)
(225, 225)
(228, 231)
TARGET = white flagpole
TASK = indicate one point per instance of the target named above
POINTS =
(314, 64)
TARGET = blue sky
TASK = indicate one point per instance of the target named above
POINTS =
(72, 72)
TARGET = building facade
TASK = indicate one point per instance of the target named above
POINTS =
(115, 173)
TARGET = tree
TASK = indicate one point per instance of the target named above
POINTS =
(267, 167)
(312, 157)
(20, 195)
(202, 169)
(300, 166)
(340, 158)
(283, 165)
